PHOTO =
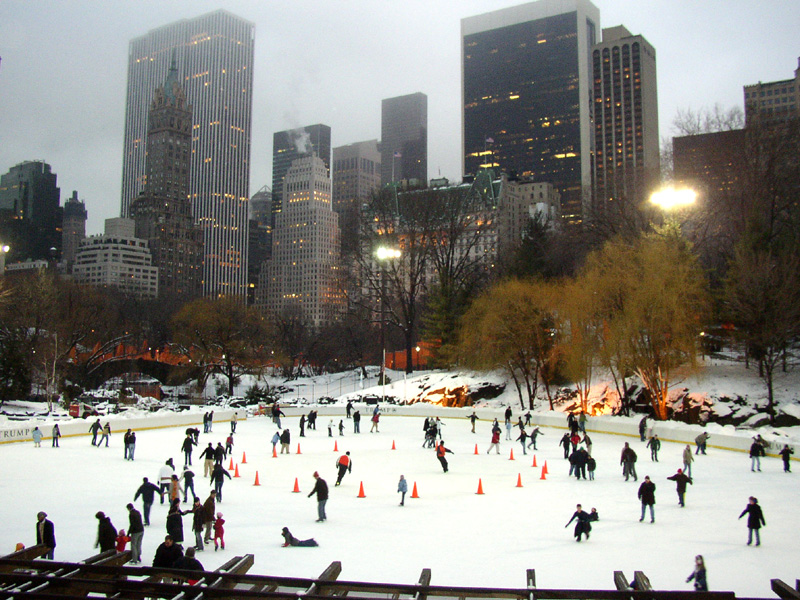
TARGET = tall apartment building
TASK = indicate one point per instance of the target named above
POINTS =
(259, 238)
(774, 101)
(404, 138)
(301, 277)
(520, 201)
(526, 94)
(163, 212)
(356, 175)
(117, 259)
(30, 211)
(73, 230)
(214, 53)
(288, 146)
(625, 103)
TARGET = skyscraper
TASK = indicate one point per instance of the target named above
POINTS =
(625, 101)
(526, 92)
(404, 138)
(300, 278)
(30, 215)
(288, 146)
(774, 101)
(73, 230)
(356, 174)
(214, 54)
(163, 212)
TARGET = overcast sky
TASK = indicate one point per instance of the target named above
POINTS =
(64, 70)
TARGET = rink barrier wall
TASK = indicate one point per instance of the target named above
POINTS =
(21, 431)
(722, 437)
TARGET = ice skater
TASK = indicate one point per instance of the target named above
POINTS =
(219, 532)
(647, 494)
(680, 480)
(655, 445)
(786, 455)
(345, 465)
(755, 519)
(321, 490)
(495, 443)
(402, 489)
(440, 454)
(582, 526)
(699, 575)
(290, 540)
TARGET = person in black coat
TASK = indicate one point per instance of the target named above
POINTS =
(680, 479)
(175, 521)
(755, 520)
(219, 453)
(45, 534)
(321, 490)
(647, 494)
(188, 443)
(579, 458)
(699, 575)
(167, 553)
(188, 562)
(136, 533)
(786, 455)
(218, 476)
(147, 491)
(582, 526)
(565, 442)
(290, 540)
(756, 452)
(106, 533)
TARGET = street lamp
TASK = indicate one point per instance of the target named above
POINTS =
(669, 198)
(4, 248)
(384, 254)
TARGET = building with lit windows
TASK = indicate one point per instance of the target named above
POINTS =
(526, 95)
(625, 103)
(30, 212)
(288, 146)
(301, 277)
(163, 212)
(356, 175)
(404, 139)
(117, 259)
(774, 101)
(73, 230)
(214, 54)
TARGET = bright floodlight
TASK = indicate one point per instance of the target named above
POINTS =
(670, 198)
(383, 253)
(5, 248)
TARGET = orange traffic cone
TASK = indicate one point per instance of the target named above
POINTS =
(230, 467)
(519, 480)
(534, 461)
(274, 452)
(414, 493)
(256, 483)
(393, 446)
(511, 457)
(361, 491)
(546, 470)
(476, 448)
(236, 471)
(296, 489)
(244, 458)
(480, 488)
(298, 448)
(335, 446)
(544, 473)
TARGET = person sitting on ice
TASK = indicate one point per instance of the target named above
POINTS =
(290, 540)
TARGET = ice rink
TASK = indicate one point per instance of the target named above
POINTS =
(465, 538)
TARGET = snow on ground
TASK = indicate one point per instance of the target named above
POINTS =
(465, 538)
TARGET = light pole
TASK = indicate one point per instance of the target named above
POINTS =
(4, 248)
(669, 198)
(384, 254)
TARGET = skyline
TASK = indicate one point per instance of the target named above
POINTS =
(62, 100)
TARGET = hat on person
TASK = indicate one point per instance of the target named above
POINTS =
(42, 514)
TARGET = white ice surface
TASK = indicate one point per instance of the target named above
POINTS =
(465, 538)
